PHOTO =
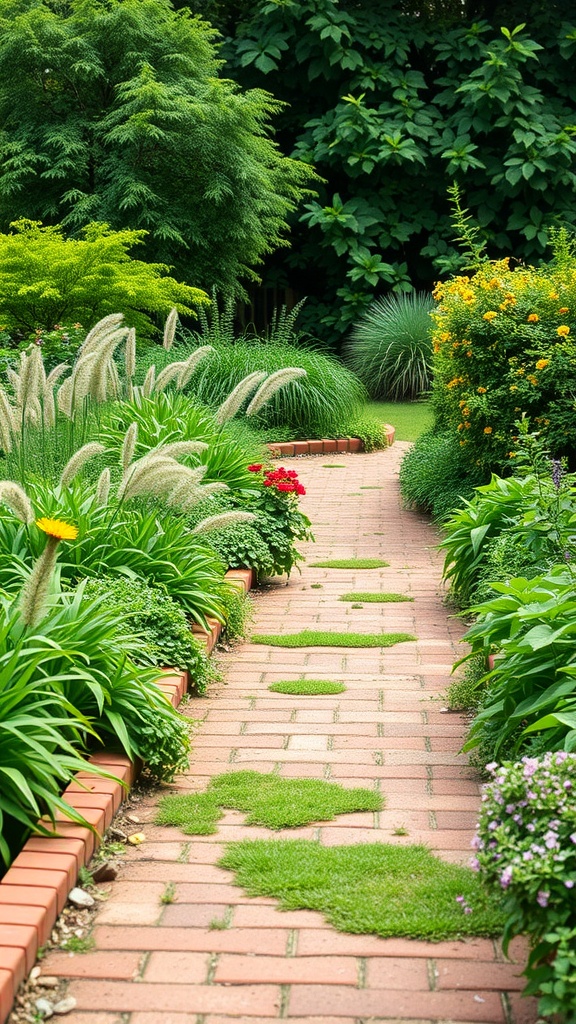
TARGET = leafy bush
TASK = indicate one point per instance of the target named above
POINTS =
(391, 346)
(504, 348)
(530, 698)
(436, 476)
(526, 852)
(46, 279)
(318, 405)
(370, 429)
(161, 625)
(242, 547)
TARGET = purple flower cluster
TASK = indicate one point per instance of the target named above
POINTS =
(525, 842)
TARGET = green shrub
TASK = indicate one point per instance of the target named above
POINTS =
(242, 547)
(317, 405)
(391, 346)
(529, 703)
(436, 476)
(161, 625)
(370, 429)
(504, 348)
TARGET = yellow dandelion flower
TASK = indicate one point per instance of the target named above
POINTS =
(481, 391)
(542, 363)
(466, 412)
(467, 425)
(57, 528)
(533, 318)
(553, 295)
(563, 330)
(513, 387)
(563, 310)
(532, 379)
(460, 426)
(490, 315)
(487, 430)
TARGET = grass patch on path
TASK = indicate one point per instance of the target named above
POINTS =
(266, 799)
(312, 638)
(350, 563)
(307, 687)
(374, 888)
(378, 598)
(410, 418)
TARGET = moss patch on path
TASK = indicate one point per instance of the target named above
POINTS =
(307, 687)
(377, 888)
(266, 799)
(312, 638)
(350, 563)
(374, 598)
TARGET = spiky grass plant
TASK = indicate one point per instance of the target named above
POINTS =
(391, 346)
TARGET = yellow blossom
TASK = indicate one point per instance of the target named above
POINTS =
(563, 310)
(490, 315)
(542, 363)
(57, 528)
(513, 387)
(563, 330)
(553, 295)
(533, 318)
(487, 430)
(532, 379)
(481, 391)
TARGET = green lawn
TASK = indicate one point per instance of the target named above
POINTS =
(410, 418)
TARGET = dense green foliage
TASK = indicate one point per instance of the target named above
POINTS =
(160, 143)
(160, 624)
(436, 475)
(47, 279)
(391, 102)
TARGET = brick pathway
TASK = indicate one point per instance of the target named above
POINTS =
(163, 964)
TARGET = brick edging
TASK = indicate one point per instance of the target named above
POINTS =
(35, 888)
(326, 446)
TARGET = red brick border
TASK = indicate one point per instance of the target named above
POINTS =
(288, 449)
(35, 887)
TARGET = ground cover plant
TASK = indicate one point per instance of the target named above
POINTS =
(307, 687)
(350, 563)
(376, 888)
(526, 853)
(319, 638)
(266, 799)
(375, 598)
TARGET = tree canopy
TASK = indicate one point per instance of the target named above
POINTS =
(115, 111)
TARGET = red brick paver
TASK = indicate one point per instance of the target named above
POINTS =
(214, 955)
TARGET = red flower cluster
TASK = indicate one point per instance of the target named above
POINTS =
(283, 480)
(255, 467)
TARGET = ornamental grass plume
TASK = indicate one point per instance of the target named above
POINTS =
(149, 381)
(238, 396)
(17, 500)
(96, 383)
(177, 449)
(222, 520)
(270, 386)
(190, 365)
(79, 460)
(100, 331)
(9, 427)
(130, 354)
(129, 446)
(103, 488)
(170, 329)
(168, 374)
(35, 590)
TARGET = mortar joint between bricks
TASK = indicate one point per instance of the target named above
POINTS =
(380, 700)
(277, 768)
(284, 1001)
(200, 1018)
(330, 743)
(229, 914)
(424, 715)
(327, 773)
(432, 819)
(506, 1008)
(380, 729)
(361, 982)
(285, 743)
(212, 965)
(336, 715)
(433, 974)
(142, 965)
(428, 744)
(243, 727)
(378, 757)
(233, 755)
(293, 715)
(184, 854)
(291, 942)
(252, 704)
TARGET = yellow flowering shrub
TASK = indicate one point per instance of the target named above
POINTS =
(504, 346)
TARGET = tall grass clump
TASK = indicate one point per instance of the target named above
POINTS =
(391, 346)
(319, 404)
